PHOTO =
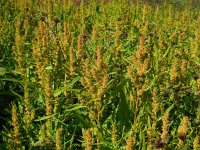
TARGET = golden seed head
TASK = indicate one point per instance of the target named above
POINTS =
(16, 127)
(149, 137)
(88, 140)
(198, 84)
(94, 32)
(129, 143)
(165, 127)
(92, 114)
(139, 92)
(81, 99)
(155, 102)
(28, 111)
(183, 67)
(87, 68)
(174, 70)
(79, 46)
(71, 59)
(146, 84)
(114, 133)
(180, 143)
(196, 143)
(59, 139)
(99, 56)
(140, 51)
(183, 128)
(129, 72)
(131, 98)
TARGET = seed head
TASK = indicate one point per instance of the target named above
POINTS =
(183, 128)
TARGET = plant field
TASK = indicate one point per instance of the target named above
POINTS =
(105, 75)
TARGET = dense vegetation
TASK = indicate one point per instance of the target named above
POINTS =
(99, 75)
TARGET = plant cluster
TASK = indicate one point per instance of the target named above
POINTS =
(87, 74)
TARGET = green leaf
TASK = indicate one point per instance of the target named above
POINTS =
(49, 68)
(196, 62)
(75, 107)
(135, 30)
(44, 118)
(149, 121)
(95, 130)
(2, 71)
(167, 51)
(59, 91)
(68, 87)
(10, 79)
(75, 80)
(152, 83)
(170, 108)
(72, 138)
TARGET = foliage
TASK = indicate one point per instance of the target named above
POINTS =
(99, 75)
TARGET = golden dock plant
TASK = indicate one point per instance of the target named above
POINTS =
(183, 131)
(196, 143)
(129, 143)
(59, 139)
(138, 70)
(165, 128)
(17, 142)
(95, 83)
(88, 140)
